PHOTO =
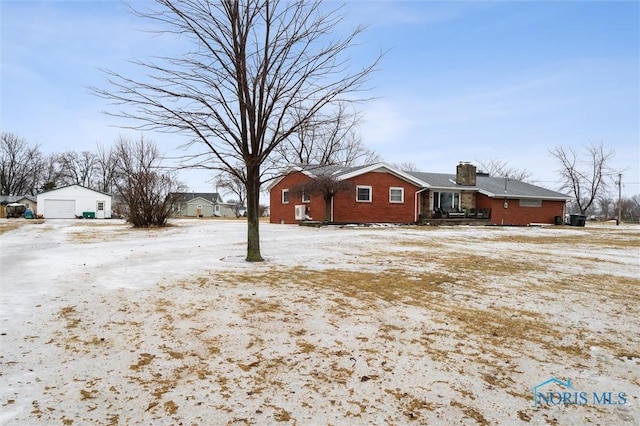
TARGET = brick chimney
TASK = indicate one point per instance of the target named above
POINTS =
(466, 174)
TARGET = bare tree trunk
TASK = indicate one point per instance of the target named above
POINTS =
(253, 214)
(327, 208)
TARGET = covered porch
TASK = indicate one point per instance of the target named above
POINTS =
(450, 206)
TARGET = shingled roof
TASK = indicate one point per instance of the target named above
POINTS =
(183, 197)
(487, 185)
(490, 186)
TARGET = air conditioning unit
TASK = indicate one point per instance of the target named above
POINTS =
(300, 212)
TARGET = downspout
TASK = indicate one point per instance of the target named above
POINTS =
(332, 208)
(416, 213)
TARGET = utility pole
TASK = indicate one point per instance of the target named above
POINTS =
(619, 199)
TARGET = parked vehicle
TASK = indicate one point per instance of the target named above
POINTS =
(15, 210)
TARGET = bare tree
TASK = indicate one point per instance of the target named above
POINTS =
(605, 205)
(407, 166)
(50, 175)
(499, 168)
(584, 175)
(231, 183)
(630, 208)
(106, 165)
(633, 212)
(324, 184)
(259, 71)
(78, 169)
(19, 165)
(146, 189)
(328, 140)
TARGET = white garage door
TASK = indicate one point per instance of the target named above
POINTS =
(59, 209)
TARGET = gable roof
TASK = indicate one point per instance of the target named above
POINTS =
(7, 199)
(344, 172)
(75, 184)
(213, 197)
(198, 200)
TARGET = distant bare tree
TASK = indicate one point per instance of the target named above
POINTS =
(258, 72)
(106, 166)
(231, 183)
(20, 164)
(499, 168)
(406, 166)
(50, 175)
(631, 208)
(326, 185)
(146, 189)
(584, 174)
(635, 208)
(328, 140)
(78, 169)
(605, 205)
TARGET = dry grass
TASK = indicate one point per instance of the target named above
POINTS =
(10, 225)
(587, 237)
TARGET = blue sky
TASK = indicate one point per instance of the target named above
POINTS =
(461, 81)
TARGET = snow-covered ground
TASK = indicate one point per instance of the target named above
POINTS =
(104, 324)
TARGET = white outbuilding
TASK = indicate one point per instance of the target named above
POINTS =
(74, 201)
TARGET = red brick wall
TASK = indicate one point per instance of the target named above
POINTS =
(285, 213)
(346, 209)
(516, 215)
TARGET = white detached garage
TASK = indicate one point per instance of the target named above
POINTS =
(73, 201)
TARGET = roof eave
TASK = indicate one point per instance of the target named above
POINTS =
(405, 176)
(533, 197)
(287, 171)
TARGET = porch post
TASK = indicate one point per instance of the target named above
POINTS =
(418, 203)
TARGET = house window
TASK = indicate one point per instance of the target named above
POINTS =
(530, 203)
(285, 196)
(306, 198)
(446, 200)
(396, 195)
(363, 194)
(100, 206)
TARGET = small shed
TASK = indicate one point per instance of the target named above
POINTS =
(74, 201)
(29, 201)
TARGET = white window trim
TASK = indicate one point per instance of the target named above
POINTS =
(397, 188)
(370, 200)
(305, 198)
(285, 191)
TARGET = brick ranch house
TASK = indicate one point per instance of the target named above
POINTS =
(380, 193)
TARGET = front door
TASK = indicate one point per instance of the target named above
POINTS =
(100, 210)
